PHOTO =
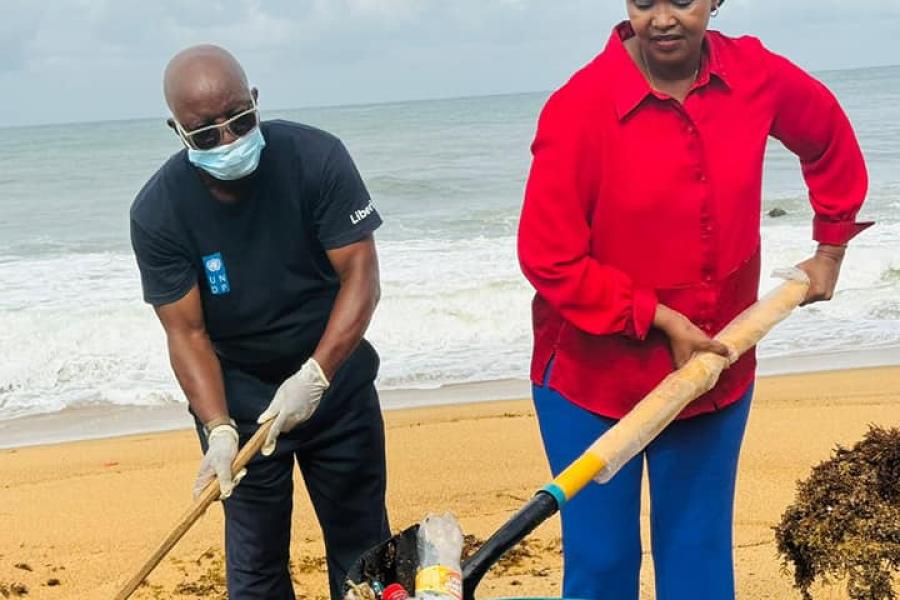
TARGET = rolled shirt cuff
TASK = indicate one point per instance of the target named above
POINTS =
(837, 233)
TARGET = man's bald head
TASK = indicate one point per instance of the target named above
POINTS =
(203, 83)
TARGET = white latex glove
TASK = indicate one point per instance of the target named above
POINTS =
(295, 401)
(216, 464)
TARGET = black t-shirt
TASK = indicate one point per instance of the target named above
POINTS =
(267, 285)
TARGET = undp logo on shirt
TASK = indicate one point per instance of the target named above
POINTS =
(214, 265)
(216, 275)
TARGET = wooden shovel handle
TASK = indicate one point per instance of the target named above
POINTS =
(209, 495)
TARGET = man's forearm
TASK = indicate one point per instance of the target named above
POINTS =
(353, 309)
(199, 373)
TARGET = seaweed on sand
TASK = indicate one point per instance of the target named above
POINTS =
(845, 522)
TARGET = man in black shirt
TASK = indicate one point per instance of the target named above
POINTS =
(255, 249)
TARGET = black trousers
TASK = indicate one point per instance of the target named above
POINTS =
(340, 452)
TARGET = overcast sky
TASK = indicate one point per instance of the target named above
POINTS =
(84, 60)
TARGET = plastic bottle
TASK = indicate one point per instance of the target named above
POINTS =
(439, 543)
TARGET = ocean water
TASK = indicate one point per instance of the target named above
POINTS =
(447, 176)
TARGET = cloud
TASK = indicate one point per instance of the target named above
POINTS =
(105, 57)
(17, 29)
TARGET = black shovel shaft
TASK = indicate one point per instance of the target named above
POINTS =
(540, 508)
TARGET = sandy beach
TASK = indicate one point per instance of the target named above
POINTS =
(76, 519)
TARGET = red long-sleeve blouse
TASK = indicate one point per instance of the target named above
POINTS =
(635, 199)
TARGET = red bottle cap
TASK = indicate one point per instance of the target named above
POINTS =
(395, 591)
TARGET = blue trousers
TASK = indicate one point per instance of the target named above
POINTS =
(340, 453)
(692, 468)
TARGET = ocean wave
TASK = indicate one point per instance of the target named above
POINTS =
(73, 329)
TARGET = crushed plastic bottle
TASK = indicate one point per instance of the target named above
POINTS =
(439, 543)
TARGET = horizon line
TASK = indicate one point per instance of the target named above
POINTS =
(376, 102)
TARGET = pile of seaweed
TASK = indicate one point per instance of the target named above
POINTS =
(845, 522)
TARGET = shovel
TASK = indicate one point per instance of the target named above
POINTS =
(394, 561)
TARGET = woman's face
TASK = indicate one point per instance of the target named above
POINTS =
(670, 32)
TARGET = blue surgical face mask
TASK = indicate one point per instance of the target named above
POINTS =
(233, 161)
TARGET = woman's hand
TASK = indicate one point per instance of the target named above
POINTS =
(685, 338)
(823, 270)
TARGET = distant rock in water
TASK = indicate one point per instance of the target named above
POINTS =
(777, 212)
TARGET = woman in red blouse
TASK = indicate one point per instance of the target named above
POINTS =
(640, 232)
